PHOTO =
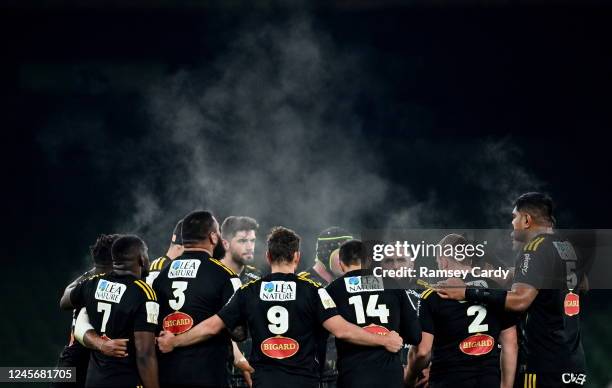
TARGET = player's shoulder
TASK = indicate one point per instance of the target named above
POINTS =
(250, 285)
(539, 243)
(159, 263)
(142, 289)
(428, 295)
(305, 279)
(220, 267)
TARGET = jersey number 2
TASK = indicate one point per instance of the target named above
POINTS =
(476, 326)
(372, 310)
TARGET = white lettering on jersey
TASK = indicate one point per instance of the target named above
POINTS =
(184, 268)
(363, 284)
(152, 312)
(277, 290)
(110, 291)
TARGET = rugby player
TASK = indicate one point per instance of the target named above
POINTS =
(174, 250)
(461, 339)
(327, 263)
(545, 287)
(121, 305)
(361, 299)
(239, 236)
(281, 311)
(74, 354)
(193, 288)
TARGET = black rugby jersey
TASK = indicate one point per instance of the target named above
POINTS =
(552, 322)
(283, 313)
(117, 305)
(191, 289)
(465, 335)
(362, 299)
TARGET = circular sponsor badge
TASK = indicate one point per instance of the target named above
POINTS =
(279, 347)
(571, 304)
(177, 322)
(477, 345)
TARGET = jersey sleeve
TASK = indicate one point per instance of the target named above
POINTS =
(229, 287)
(146, 317)
(233, 314)
(509, 319)
(535, 265)
(426, 311)
(77, 295)
(324, 305)
(410, 329)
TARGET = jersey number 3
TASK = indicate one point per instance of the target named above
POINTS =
(179, 292)
(372, 310)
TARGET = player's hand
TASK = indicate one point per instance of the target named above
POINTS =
(114, 347)
(423, 379)
(393, 342)
(165, 341)
(452, 288)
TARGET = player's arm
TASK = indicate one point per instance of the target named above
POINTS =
(418, 359)
(508, 357)
(199, 333)
(346, 331)
(85, 333)
(410, 329)
(146, 359)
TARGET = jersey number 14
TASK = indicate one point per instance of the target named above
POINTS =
(373, 309)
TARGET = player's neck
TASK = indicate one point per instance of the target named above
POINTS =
(538, 230)
(282, 268)
(234, 266)
(98, 269)
(320, 269)
(199, 249)
(350, 268)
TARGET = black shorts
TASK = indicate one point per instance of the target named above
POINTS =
(482, 381)
(560, 379)
(265, 378)
(365, 378)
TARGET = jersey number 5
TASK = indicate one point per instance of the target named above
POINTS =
(476, 326)
(179, 292)
(372, 310)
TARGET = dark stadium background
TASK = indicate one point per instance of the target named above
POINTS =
(372, 114)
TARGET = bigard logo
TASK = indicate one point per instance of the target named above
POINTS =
(477, 345)
(177, 322)
(279, 347)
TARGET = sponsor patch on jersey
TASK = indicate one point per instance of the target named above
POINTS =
(477, 345)
(152, 312)
(327, 300)
(277, 290)
(236, 283)
(110, 291)
(525, 263)
(571, 304)
(376, 329)
(177, 322)
(566, 250)
(184, 268)
(279, 347)
(355, 284)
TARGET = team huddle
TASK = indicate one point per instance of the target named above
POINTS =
(203, 316)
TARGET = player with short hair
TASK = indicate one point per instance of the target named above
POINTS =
(191, 289)
(546, 287)
(174, 250)
(362, 299)
(120, 305)
(74, 354)
(281, 311)
(240, 234)
(461, 339)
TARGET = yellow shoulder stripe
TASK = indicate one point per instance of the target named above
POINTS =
(160, 263)
(152, 266)
(426, 293)
(534, 244)
(147, 289)
(225, 267)
(248, 284)
(316, 284)
(303, 274)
